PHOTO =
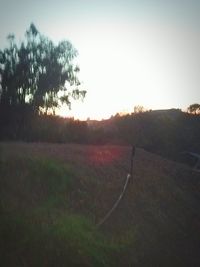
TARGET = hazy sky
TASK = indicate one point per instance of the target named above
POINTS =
(130, 52)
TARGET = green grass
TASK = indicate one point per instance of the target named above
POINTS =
(51, 197)
(38, 227)
(70, 241)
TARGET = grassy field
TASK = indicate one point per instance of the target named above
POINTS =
(53, 195)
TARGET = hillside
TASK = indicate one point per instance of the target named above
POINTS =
(164, 132)
(156, 224)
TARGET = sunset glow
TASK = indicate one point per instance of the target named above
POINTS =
(130, 53)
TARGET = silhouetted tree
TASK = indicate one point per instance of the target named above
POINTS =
(139, 109)
(38, 73)
(194, 108)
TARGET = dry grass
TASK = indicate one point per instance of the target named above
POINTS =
(159, 217)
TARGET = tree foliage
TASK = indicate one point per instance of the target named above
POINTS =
(139, 109)
(194, 108)
(37, 73)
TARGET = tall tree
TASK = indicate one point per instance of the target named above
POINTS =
(38, 73)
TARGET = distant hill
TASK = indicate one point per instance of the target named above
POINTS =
(165, 132)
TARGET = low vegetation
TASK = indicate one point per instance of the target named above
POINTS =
(52, 196)
(166, 132)
(38, 226)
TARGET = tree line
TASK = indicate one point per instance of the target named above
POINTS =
(165, 132)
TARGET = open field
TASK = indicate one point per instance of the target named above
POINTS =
(53, 195)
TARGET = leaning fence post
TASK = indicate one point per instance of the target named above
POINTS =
(132, 156)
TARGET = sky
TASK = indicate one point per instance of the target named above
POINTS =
(131, 52)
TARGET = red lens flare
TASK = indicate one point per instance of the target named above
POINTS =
(104, 156)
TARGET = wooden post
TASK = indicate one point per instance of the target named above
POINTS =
(132, 156)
